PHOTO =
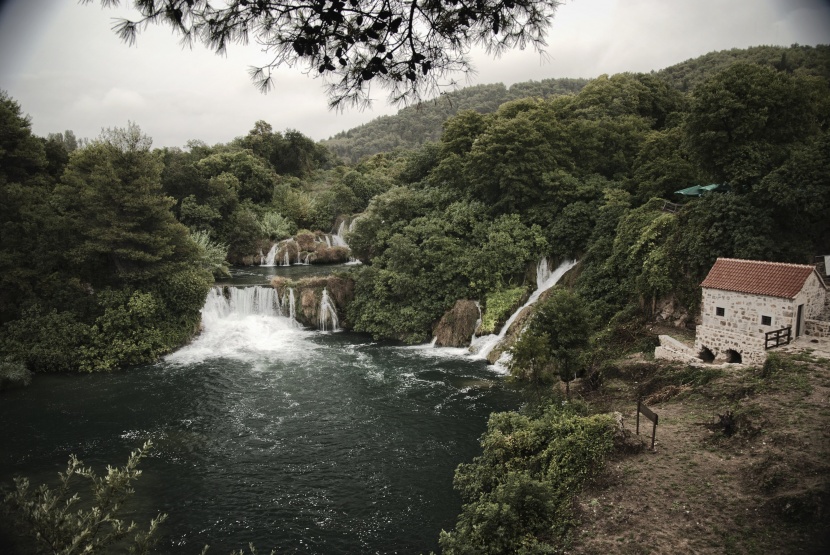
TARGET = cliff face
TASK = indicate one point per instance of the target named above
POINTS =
(457, 326)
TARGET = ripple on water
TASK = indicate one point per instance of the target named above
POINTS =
(268, 433)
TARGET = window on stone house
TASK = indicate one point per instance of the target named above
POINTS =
(719, 311)
(766, 320)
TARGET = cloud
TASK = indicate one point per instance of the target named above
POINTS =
(67, 69)
(121, 99)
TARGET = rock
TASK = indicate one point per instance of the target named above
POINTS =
(306, 241)
(309, 292)
(669, 311)
(511, 335)
(456, 327)
(329, 255)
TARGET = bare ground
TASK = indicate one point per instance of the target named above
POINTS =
(763, 489)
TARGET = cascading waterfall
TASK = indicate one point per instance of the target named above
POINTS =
(222, 301)
(478, 323)
(272, 254)
(337, 239)
(328, 241)
(327, 313)
(545, 279)
(286, 261)
(242, 323)
(261, 258)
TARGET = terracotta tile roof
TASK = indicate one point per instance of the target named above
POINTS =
(773, 279)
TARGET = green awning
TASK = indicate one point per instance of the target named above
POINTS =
(698, 190)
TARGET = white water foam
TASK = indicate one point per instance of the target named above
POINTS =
(246, 324)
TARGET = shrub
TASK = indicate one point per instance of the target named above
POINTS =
(57, 521)
(518, 494)
(14, 373)
(498, 307)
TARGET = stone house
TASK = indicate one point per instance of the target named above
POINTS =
(743, 300)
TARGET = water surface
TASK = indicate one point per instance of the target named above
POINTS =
(302, 441)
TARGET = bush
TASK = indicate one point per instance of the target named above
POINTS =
(518, 494)
(14, 373)
(57, 521)
(498, 307)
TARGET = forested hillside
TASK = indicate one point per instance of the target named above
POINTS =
(413, 126)
(805, 60)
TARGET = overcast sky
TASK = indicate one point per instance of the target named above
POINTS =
(67, 69)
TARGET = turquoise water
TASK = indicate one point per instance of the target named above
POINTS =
(292, 439)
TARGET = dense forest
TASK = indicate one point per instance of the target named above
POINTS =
(575, 170)
(108, 246)
(414, 126)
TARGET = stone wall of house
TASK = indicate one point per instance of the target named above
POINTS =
(812, 296)
(743, 312)
(817, 328)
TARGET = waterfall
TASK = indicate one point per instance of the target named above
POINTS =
(328, 241)
(327, 313)
(298, 253)
(224, 301)
(337, 238)
(292, 311)
(243, 323)
(272, 254)
(545, 279)
(286, 261)
(261, 258)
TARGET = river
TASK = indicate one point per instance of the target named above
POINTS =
(303, 441)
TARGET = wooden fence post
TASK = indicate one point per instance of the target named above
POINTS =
(648, 413)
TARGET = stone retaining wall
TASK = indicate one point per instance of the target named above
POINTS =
(719, 341)
(672, 349)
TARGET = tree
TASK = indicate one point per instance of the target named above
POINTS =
(119, 224)
(406, 46)
(559, 332)
(745, 120)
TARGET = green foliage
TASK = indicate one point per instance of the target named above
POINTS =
(414, 126)
(13, 373)
(744, 120)
(212, 255)
(805, 60)
(518, 494)
(291, 153)
(531, 360)
(276, 227)
(46, 340)
(564, 323)
(119, 224)
(498, 306)
(255, 179)
(61, 521)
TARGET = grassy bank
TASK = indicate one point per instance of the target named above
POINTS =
(741, 463)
